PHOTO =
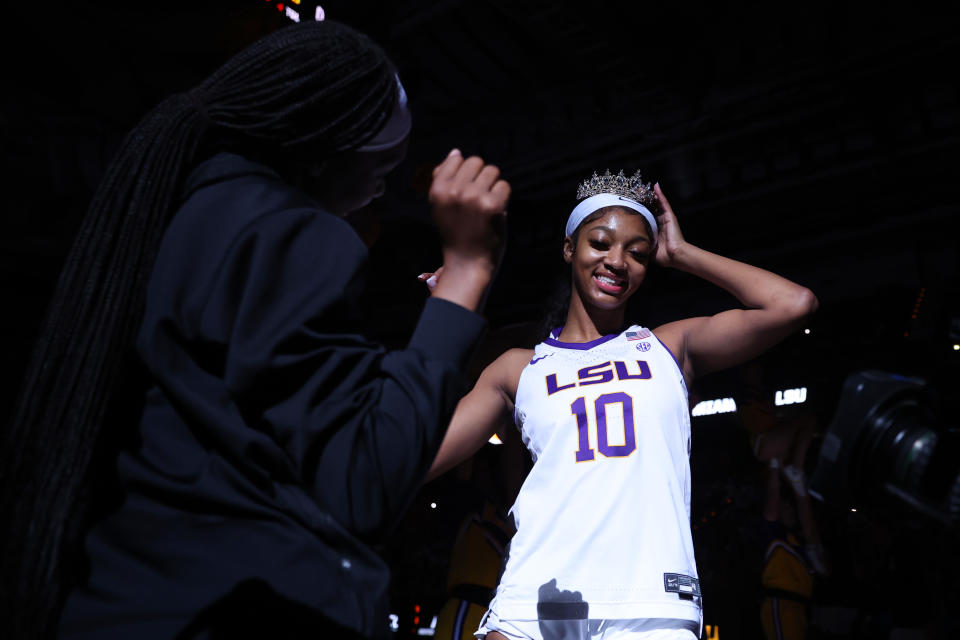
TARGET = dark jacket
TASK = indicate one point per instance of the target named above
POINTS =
(275, 442)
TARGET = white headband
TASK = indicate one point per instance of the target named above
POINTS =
(397, 126)
(591, 204)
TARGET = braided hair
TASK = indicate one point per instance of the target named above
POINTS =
(309, 90)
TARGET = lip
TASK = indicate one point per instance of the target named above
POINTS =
(606, 287)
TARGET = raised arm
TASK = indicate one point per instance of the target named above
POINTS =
(480, 413)
(774, 306)
(469, 203)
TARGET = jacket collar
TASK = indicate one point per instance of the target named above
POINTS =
(223, 166)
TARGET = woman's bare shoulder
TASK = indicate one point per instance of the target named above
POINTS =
(516, 357)
(506, 369)
(672, 334)
(511, 362)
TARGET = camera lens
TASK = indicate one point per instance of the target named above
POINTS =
(886, 441)
(898, 443)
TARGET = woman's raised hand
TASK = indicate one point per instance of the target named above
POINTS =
(469, 202)
(669, 239)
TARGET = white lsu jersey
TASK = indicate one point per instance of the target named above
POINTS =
(603, 518)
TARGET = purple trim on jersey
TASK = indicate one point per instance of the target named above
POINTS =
(777, 544)
(582, 346)
(671, 354)
(775, 605)
(462, 610)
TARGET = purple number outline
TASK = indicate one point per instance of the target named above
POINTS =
(629, 434)
(579, 409)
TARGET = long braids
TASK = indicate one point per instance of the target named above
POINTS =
(307, 91)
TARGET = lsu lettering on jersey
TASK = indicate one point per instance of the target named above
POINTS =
(603, 518)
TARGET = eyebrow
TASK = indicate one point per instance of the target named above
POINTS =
(609, 230)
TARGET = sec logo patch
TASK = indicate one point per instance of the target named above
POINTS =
(643, 346)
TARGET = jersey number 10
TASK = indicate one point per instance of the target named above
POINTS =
(579, 409)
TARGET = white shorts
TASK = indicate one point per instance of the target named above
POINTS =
(633, 629)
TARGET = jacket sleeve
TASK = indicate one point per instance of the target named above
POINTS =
(357, 425)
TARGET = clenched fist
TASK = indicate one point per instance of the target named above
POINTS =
(469, 203)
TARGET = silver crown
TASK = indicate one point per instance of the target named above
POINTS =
(633, 187)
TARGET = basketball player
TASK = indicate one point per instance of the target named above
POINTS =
(603, 546)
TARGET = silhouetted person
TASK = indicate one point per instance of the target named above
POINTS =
(203, 342)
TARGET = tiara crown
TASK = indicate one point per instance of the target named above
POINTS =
(633, 187)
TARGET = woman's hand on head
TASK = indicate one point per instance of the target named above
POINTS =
(670, 241)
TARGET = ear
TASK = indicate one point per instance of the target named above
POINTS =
(568, 249)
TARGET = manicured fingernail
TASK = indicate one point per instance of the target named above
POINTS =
(432, 281)
(453, 152)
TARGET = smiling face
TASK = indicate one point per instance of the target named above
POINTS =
(610, 258)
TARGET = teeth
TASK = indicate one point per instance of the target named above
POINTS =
(607, 280)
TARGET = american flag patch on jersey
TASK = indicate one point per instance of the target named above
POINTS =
(638, 335)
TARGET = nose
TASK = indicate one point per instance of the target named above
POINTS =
(616, 260)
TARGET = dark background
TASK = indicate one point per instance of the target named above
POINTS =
(818, 140)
